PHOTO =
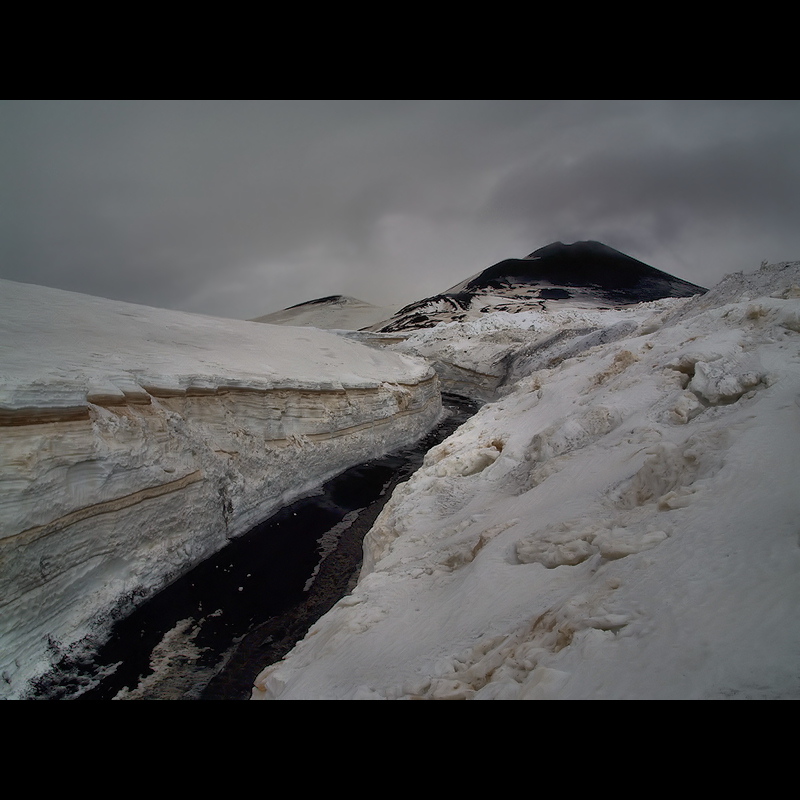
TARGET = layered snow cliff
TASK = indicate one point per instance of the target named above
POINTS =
(621, 522)
(137, 441)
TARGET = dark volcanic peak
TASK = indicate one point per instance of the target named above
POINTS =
(614, 276)
(584, 273)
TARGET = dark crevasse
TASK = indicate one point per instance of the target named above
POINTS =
(209, 634)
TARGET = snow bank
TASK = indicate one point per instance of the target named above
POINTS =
(137, 441)
(620, 523)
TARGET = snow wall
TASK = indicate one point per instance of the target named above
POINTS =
(136, 442)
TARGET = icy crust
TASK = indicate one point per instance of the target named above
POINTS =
(121, 469)
(620, 524)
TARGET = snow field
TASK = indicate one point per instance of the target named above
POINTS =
(621, 524)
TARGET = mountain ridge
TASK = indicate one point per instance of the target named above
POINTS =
(585, 273)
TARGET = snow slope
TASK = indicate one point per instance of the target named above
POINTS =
(137, 441)
(621, 522)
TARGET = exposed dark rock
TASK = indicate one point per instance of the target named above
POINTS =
(554, 294)
(612, 275)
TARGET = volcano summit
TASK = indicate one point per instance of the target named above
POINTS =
(587, 274)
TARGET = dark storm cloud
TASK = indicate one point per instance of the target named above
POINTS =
(674, 188)
(239, 208)
(724, 181)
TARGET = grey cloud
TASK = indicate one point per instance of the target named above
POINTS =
(243, 207)
(652, 196)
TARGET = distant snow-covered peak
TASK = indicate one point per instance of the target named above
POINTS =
(330, 313)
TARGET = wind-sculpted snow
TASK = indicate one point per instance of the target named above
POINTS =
(620, 522)
(136, 442)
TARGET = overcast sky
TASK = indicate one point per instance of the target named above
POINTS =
(239, 208)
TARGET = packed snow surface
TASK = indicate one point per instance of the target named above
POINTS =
(58, 346)
(620, 522)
